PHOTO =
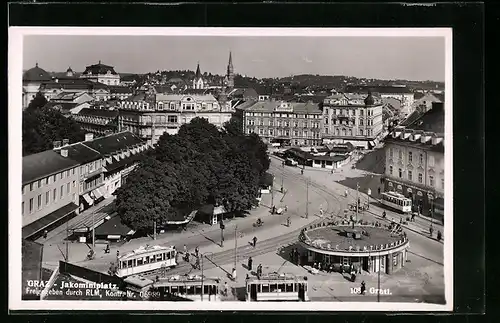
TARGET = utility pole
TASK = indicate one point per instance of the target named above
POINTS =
(307, 198)
(67, 240)
(282, 175)
(357, 204)
(235, 246)
(272, 194)
(93, 227)
(202, 278)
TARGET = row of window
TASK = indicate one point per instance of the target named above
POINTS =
(89, 185)
(410, 157)
(281, 132)
(147, 260)
(46, 199)
(286, 124)
(48, 180)
(91, 167)
(283, 115)
(350, 132)
(348, 112)
(361, 122)
(419, 177)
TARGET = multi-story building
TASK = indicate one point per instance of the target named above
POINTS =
(49, 191)
(56, 87)
(290, 123)
(32, 79)
(120, 152)
(415, 163)
(352, 118)
(101, 73)
(150, 114)
(91, 175)
(99, 122)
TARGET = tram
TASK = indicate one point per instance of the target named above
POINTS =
(277, 287)
(396, 201)
(145, 259)
(190, 288)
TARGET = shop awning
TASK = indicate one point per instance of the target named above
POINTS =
(88, 199)
(97, 193)
(47, 220)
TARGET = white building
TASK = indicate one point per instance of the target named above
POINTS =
(32, 79)
(101, 73)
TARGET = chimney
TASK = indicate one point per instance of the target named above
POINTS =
(57, 144)
(89, 136)
(64, 152)
(65, 142)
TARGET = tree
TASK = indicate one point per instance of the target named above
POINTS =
(38, 101)
(44, 125)
(234, 127)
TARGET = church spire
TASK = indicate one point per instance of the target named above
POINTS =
(198, 73)
(230, 64)
(230, 71)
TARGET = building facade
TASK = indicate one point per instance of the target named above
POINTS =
(415, 162)
(400, 93)
(150, 115)
(198, 82)
(99, 122)
(101, 73)
(57, 87)
(352, 118)
(121, 153)
(291, 123)
(91, 174)
(49, 191)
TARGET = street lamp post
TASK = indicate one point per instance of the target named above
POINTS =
(307, 198)
(222, 231)
(203, 255)
(369, 193)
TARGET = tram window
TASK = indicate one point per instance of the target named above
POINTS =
(159, 257)
(281, 287)
(197, 290)
(130, 263)
(124, 264)
(182, 290)
(152, 258)
(139, 261)
(273, 288)
(189, 290)
(296, 286)
(167, 289)
(206, 289)
(289, 288)
(174, 289)
(265, 288)
(167, 255)
(146, 260)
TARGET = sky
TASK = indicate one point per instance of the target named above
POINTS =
(410, 58)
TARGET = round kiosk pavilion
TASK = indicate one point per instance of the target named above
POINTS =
(369, 246)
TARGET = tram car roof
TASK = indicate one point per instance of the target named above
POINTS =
(138, 281)
(144, 251)
(187, 280)
(396, 195)
(275, 277)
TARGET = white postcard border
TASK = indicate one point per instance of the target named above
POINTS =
(15, 69)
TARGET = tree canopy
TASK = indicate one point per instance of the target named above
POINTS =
(43, 125)
(199, 165)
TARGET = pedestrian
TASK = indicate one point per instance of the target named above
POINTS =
(431, 230)
(250, 263)
(379, 191)
(226, 289)
(363, 287)
(384, 214)
(401, 220)
(117, 253)
(197, 263)
(342, 269)
(196, 251)
(45, 232)
(321, 212)
(233, 274)
(259, 271)
(185, 249)
(273, 210)
(254, 241)
(286, 208)
(439, 236)
(288, 221)
(412, 217)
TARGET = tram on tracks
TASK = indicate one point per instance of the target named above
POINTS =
(146, 259)
(191, 288)
(396, 201)
(277, 287)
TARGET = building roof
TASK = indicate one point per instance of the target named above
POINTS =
(124, 162)
(98, 112)
(62, 105)
(99, 69)
(298, 108)
(244, 93)
(179, 97)
(430, 121)
(113, 226)
(411, 118)
(73, 84)
(114, 142)
(195, 91)
(44, 164)
(36, 74)
(119, 89)
(176, 80)
(81, 153)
